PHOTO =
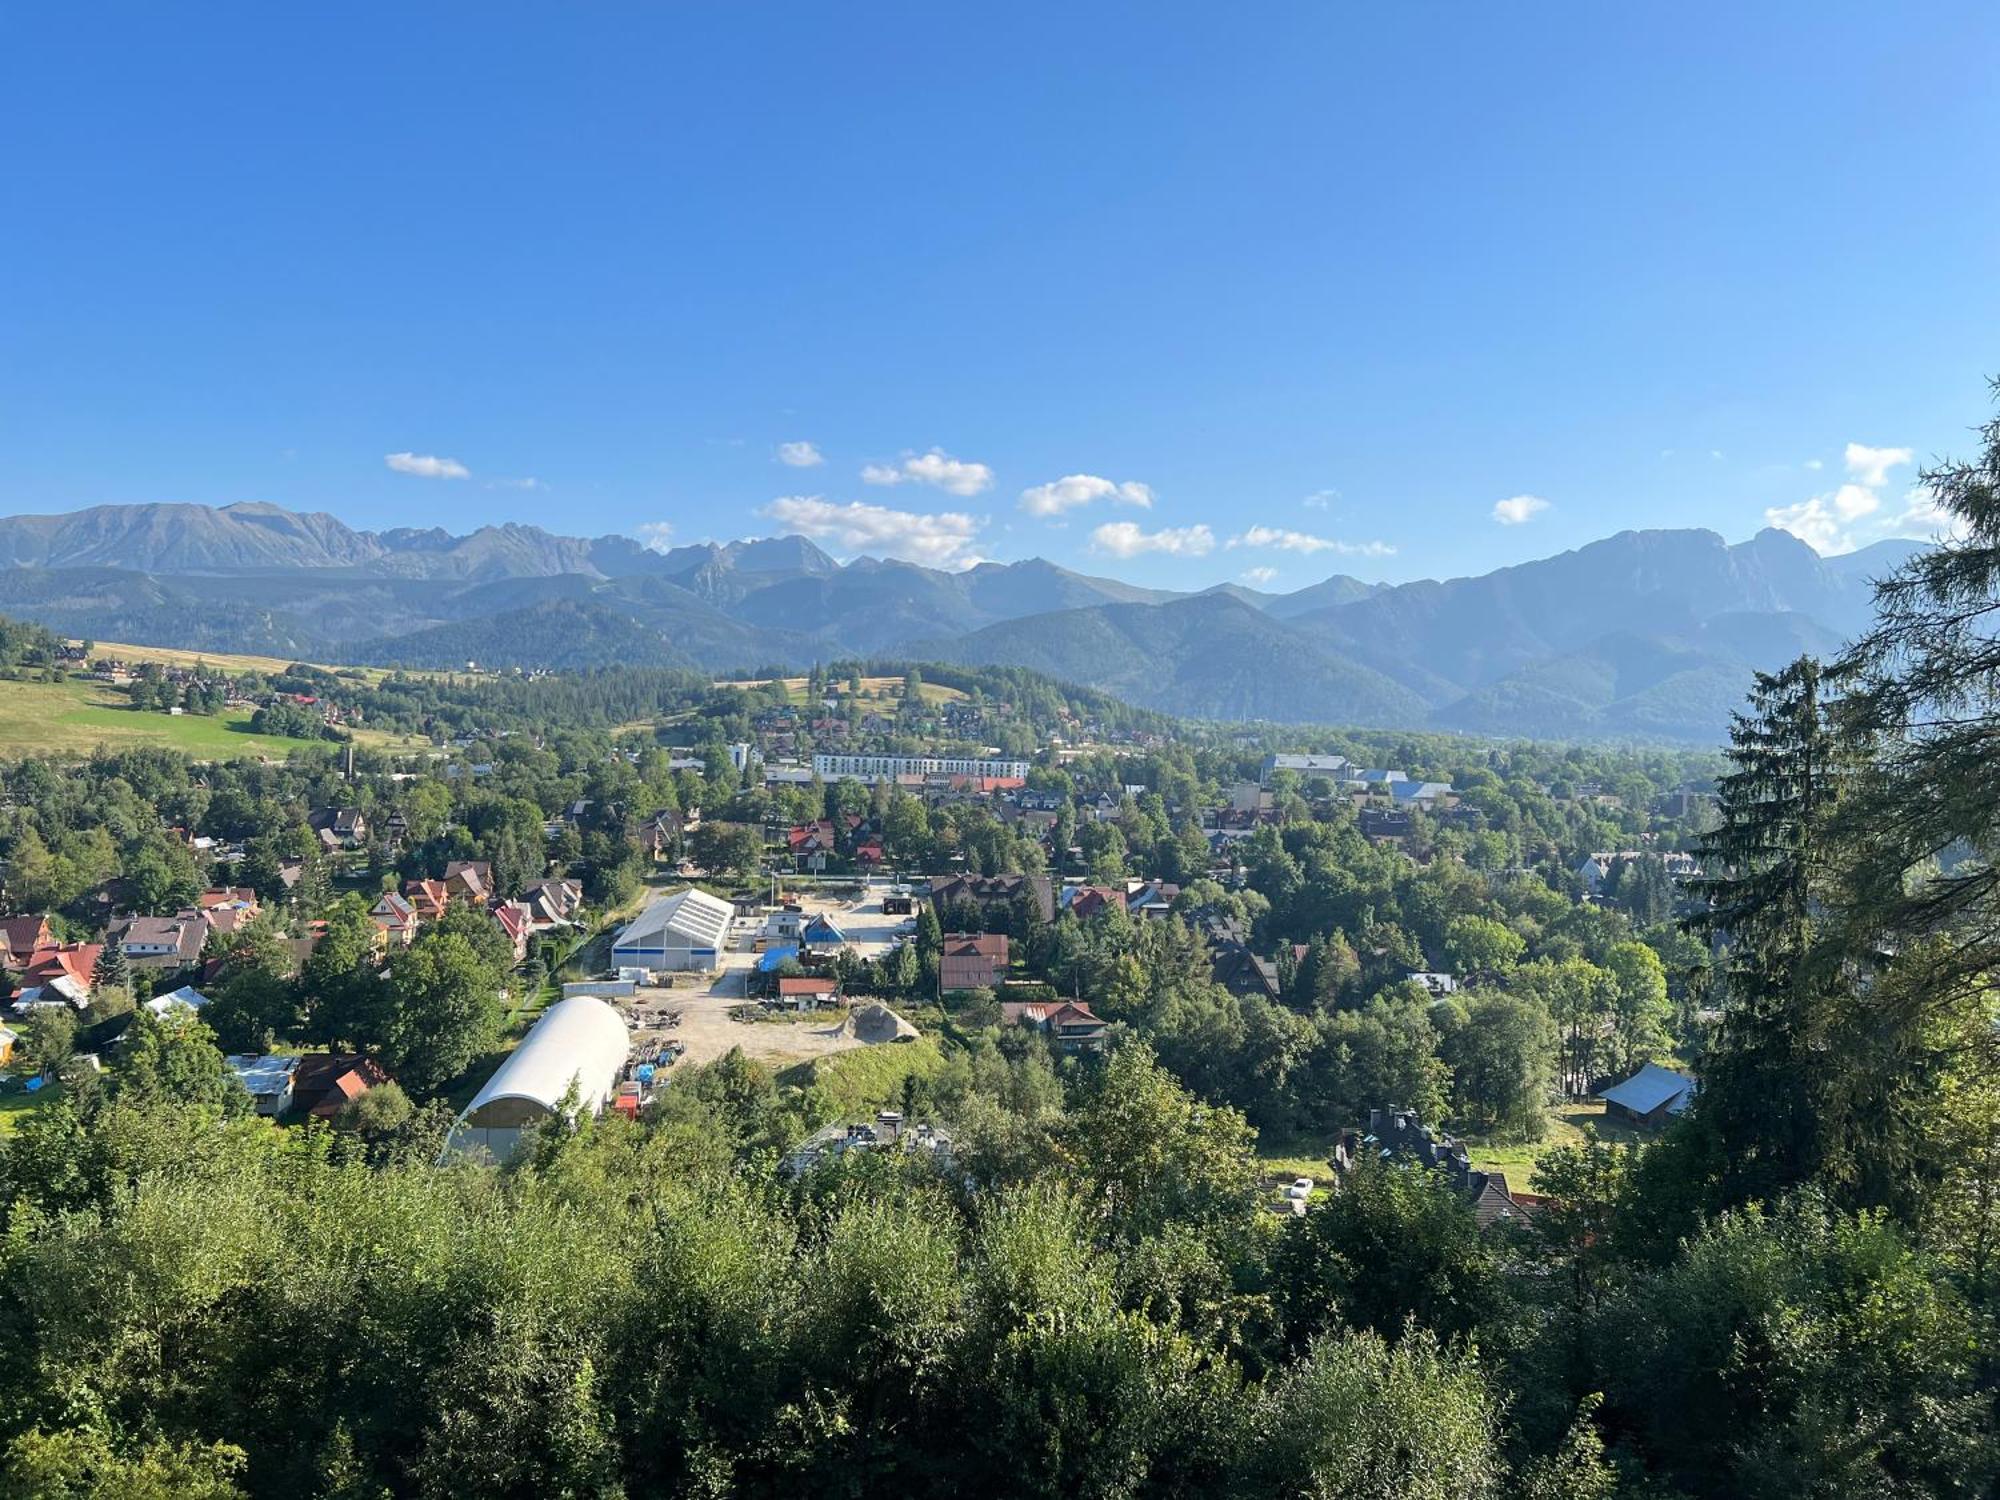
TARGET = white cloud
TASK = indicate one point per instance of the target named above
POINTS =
(525, 482)
(1304, 541)
(1850, 515)
(955, 476)
(941, 540)
(1815, 464)
(1073, 490)
(1871, 466)
(800, 455)
(1518, 510)
(1320, 499)
(1258, 576)
(658, 535)
(426, 466)
(1125, 539)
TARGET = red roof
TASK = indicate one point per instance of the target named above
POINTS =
(806, 986)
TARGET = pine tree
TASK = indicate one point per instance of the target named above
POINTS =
(1767, 865)
(112, 971)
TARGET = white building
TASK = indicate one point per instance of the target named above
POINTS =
(687, 930)
(1332, 767)
(579, 1043)
(889, 767)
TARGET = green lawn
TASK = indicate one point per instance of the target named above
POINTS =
(1571, 1125)
(75, 717)
(16, 1103)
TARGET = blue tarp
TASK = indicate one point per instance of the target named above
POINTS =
(34, 1083)
(644, 1072)
(772, 957)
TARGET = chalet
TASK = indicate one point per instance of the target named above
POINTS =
(1070, 1025)
(1086, 901)
(1419, 793)
(185, 1001)
(340, 828)
(972, 961)
(1397, 1136)
(427, 898)
(22, 937)
(267, 1079)
(552, 904)
(1243, 973)
(1438, 984)
(988, 891)
(1650, 1097)
(469, 880)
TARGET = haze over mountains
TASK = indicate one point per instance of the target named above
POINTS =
(1648, 633)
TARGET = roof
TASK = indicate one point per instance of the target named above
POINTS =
(822, 929)
(580, 1040)
(771, 958)
(262, 1074)
(691, 918)
(806, 986)
(1649, 1088)
(185, 998)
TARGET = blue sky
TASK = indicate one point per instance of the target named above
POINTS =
(1174, 293)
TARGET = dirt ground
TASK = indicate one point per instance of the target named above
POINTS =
(706, 1028)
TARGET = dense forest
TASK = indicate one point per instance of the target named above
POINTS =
(1789, 1290)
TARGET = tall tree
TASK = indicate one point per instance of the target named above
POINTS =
(1768, 865)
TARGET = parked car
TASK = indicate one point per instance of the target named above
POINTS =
(1300, 1190)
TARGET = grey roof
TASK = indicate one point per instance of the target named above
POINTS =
(1649, 1088)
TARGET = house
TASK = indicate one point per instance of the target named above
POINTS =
(986, 891)
(1650, 1097)
(325, 1083)
(806, 992)
(469, 880)
(687, 930)
(511, 917)
(396, 919)
(1243, 973)
(972, 961)
(291, 870)
(184, 1001)
(1396, 1135)
(820, 932)
(339, 828)
(1437, 984)
(427, 898)
(1086, 901)
(21, 937)
(553, 902)
(161, 943)
(1384, 823)
(1150, 898)
(267, 1079)
(1070, 1025)
(238, 897)
(70, 967)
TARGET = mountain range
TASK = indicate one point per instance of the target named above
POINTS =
(1647, 633)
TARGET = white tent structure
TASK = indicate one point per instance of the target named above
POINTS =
(687, 930)
(580, 1041)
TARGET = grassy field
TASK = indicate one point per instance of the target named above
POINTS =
(867, 1078)
(173, 656)
(1571, 1125)
(74, 718)
(17, 1103)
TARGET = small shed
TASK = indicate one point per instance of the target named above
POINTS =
(1650, 1097)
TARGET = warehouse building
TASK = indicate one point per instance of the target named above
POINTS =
(687, 930)
(580, 1042)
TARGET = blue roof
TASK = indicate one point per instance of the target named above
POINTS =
(820, 928)
(1649, 1088)
(772, 957)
